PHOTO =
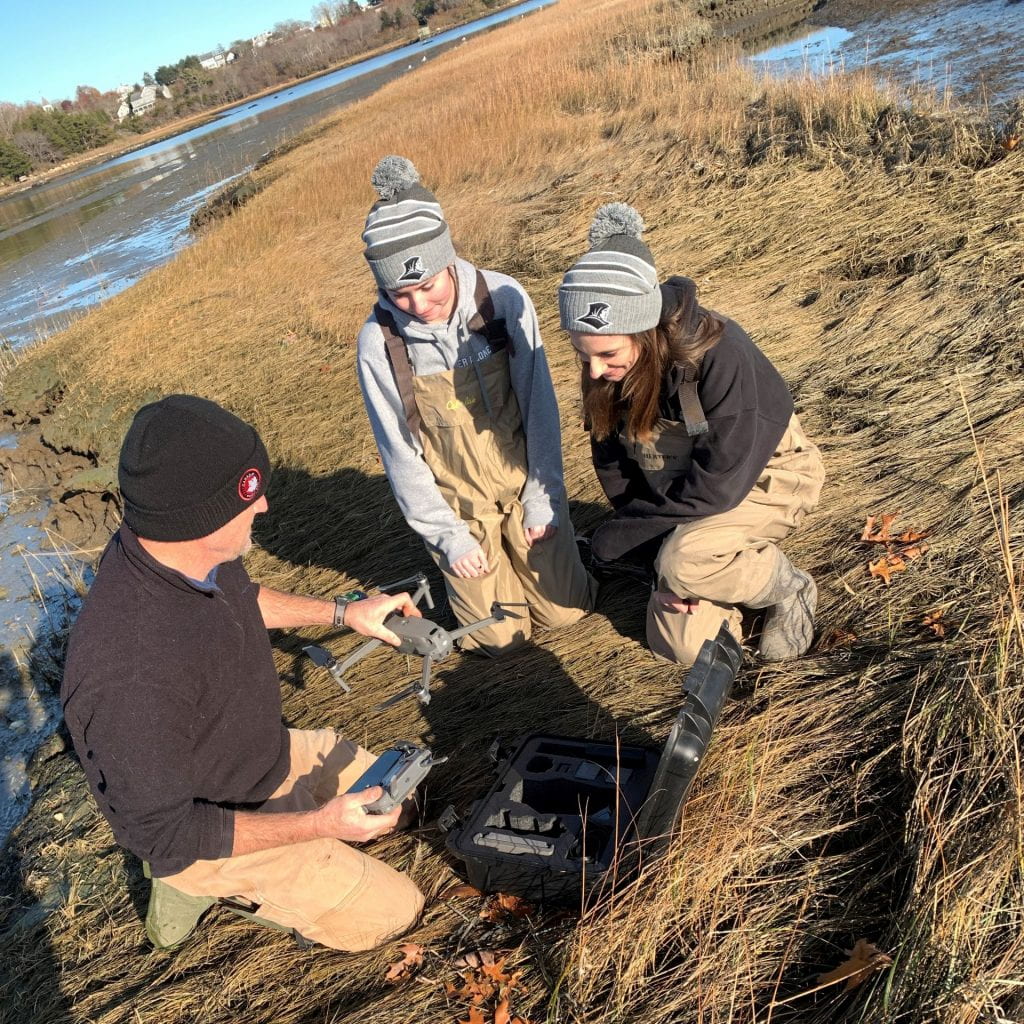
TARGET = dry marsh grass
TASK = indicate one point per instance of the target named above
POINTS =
(872, 789)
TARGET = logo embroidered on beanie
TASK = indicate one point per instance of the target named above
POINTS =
(249, 484)
(596, 316)
(413, 269)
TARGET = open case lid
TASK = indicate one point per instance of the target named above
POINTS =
(706, 687)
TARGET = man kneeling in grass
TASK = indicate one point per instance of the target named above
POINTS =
(174, 705)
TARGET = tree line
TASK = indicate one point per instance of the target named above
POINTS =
(34, 137)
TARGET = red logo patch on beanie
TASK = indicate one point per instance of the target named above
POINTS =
(249, 484)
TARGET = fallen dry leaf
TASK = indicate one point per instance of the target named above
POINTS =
(836, 638)
(475, 1017)
(505, 905)
(502, 1014)
(462, 891)
(914, 551)
(932, 620)
(475, 990)
(412, 957)
(885, 567)
(476, 959)
(911, 536)
(863, 960)
(882, 536)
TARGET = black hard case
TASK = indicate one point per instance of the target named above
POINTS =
(567, 817)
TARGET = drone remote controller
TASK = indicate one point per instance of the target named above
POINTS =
(398, 771)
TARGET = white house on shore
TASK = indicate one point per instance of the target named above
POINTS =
(135, 104)
(216, 59)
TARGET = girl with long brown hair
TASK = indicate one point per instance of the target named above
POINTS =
(696, 444)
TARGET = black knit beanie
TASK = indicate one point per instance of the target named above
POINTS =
(188, 467)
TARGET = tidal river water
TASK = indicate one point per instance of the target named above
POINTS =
(963, 52)
(69, 244)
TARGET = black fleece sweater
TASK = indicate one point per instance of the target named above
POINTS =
(174, 705)
(747, 405)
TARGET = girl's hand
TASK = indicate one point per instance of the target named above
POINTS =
(471, 565)
(538, 533)
(673, 603)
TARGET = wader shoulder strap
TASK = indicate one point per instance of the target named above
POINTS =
(689, 402)
(398, 356)
(484, 322)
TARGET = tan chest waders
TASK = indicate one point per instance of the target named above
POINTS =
(470, 426)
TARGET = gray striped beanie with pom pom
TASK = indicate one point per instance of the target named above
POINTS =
(406, 235)
(612, 289)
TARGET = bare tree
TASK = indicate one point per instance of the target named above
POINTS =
(323, 14)
(37, 147)
(10, 115)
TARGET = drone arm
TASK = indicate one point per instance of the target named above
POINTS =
(499, 612)
(424, 691)
(358, 655)
(462, 631)
(421, 591)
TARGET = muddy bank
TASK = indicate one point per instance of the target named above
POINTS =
(74, 491)
(749, 22)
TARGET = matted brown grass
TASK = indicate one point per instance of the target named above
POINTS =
(871, 789)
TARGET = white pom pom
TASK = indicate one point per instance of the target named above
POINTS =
(392, 175)
(615, 219)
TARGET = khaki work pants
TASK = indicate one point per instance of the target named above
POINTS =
(729, 559)
(326, 891)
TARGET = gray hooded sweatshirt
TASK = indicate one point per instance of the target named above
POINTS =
(434, 348)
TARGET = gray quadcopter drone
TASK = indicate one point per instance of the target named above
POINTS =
(419, 636)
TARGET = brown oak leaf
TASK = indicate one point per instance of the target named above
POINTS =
(911, 536)
(505, 905)
(836, 638)
(885, 567)
(412, 958)
(864, 960)
(462, 891)
(933, 620)
(883, 534)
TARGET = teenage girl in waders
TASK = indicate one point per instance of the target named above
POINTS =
(696, 444)
(460, 400)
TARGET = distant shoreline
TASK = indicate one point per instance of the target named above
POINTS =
(122, 147)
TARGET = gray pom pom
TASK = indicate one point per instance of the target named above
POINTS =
(615, 219)
(392, 175)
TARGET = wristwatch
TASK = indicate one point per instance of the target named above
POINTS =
(342, 601)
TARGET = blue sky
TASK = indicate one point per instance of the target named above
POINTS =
(50, 47)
